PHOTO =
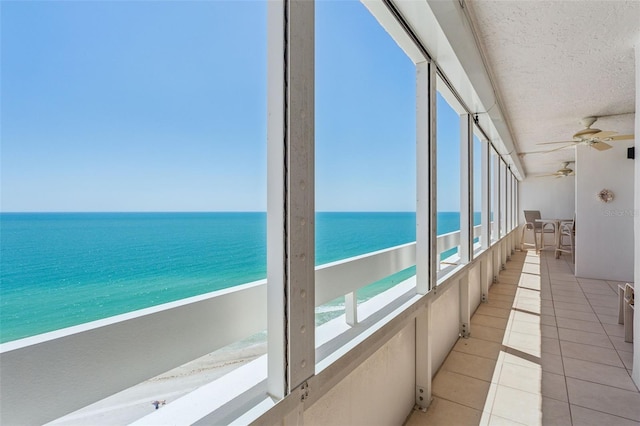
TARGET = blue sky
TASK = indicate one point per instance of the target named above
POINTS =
(161, 106)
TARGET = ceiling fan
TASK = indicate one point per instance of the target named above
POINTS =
(564, 171)
(595, 138)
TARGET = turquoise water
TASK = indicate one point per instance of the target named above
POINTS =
(64, 269)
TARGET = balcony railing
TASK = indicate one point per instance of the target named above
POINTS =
(79, 365)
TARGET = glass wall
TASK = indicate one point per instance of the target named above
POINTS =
(478, 146)
(130, 138)
(365, 142)
(448, 171)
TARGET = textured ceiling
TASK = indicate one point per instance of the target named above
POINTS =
(554, 62)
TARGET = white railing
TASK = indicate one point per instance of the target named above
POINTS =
(70, 368)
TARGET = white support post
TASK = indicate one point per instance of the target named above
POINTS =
(423, 179)
(290, 195)
(503, 199)
(466, 188)
(465, 308)
(495, 231)
(434, 253)
(507, 184)
(485, 277)
(427, 257)
(486, 197)
(351, 308)
(424, 332)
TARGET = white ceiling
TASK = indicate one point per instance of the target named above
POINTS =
(554, 62)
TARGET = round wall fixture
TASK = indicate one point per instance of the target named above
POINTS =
(606, 196)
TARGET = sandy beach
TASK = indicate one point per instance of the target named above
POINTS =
(137, 401)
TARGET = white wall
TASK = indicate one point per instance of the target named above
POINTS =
(636, 324)
(380, 391)
(604, 231)
(554, 197)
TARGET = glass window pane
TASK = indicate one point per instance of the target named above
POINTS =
(365, 142)
(448, 176)
(478, 146)
(126, 120)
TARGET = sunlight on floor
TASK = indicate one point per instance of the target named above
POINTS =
(546, 349)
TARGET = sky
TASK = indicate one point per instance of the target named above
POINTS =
(161, 106)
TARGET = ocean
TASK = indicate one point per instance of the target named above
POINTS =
(64, 269)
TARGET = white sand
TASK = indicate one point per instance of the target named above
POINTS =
(136, 402)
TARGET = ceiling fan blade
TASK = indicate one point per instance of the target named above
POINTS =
(551, 143)
(603, 135)
(558, 149)
(619, 138)
(601, 146)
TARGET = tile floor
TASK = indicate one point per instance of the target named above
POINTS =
(546, 349)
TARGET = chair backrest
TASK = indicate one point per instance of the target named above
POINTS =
(530, 216)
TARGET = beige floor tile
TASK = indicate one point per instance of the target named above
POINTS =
(598, 373)
(489, 321)
(461, 389)
(493, 312)
(550, 345)
(608, 319)
(526, 327)
(531, 268)
(478, 347)
(487, 333)
(564, 291)
(503, 288)
(470, 365)
(531, 345)
(582, 316)
(603, 289)
(590, 353)
(551, 363)
(519, 406)
(529, 306)
(585, 337)
(614, 329)
(445, 413)
(581, 300)
(501, 421)
(555, 413)
(585, 417)
(501, 297)
(527, 317)
(575, 324)
(592, 281)
(606, 399)
(554, 386)
(525, 378)
(604, 301)
(530, 282)
(605, 310)
(572, 306)
(527, 293)
(502, 304)
(627, 359)
(548, 320)
(620, 345)
(551, 323)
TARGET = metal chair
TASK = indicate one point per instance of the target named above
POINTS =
(530, 217)
(567, 232)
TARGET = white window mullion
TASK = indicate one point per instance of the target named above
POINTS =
(486, 197)
(290, 195)
(466, 188)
